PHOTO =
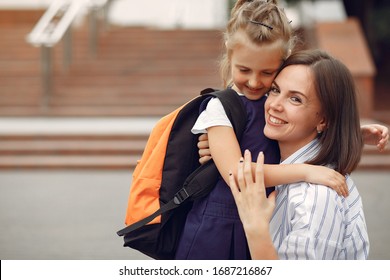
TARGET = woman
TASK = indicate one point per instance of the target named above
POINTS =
(311, 111)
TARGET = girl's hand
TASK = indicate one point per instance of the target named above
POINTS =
(322, 175)
(375, 134)
(254, 208)
(204, 149)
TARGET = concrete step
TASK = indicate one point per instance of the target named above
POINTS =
(383, 116)
(68, 162)
(95, 143)
(60, 153)
(72, 143)
(88, 111)
(67, 147)
(372, 159)
(29, 151)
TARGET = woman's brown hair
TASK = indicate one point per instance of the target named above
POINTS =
(341, 141)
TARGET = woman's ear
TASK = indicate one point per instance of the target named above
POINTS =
(322, 125)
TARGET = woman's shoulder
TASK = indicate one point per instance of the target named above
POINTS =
(304, 194)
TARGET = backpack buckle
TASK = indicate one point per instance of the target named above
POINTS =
(180, 196)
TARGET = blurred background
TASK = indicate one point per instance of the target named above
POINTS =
(83, 82)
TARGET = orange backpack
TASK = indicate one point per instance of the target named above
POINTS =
(169, 175)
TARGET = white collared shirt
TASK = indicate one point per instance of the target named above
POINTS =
(312, 222)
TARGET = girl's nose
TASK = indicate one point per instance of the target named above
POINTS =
(255, 83)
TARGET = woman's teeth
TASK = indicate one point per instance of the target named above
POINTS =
(275, 120)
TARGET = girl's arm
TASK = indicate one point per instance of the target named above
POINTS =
(254, 208)
(375, 134)
(225, 151)
(289, 173)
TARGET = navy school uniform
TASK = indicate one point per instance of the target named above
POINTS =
(213, 229)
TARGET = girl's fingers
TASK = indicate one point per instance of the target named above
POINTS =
(204, 152)
(203, 137)
(204, 159)
(203, 144)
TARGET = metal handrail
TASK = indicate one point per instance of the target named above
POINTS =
(48, 31)
(54, 26)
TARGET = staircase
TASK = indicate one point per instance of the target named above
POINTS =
(137, 74)
(72, 143)
(70, 152)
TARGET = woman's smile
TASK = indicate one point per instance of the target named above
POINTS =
(274, 120)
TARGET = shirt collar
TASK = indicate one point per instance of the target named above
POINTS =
(304, 154)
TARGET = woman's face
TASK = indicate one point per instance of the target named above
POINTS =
(292, 110)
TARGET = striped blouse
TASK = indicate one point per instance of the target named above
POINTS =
(312, 222)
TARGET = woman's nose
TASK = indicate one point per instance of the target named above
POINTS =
(275, 103)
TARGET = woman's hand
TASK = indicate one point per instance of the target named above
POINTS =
(204, 149)
(375, 134)
(254, 208)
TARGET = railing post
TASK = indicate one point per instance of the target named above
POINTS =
(106, 9)
(93, 31)
(67, 58)
(55, 25)
(46, 76)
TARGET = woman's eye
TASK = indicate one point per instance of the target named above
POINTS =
(274, 90)
(296, 99)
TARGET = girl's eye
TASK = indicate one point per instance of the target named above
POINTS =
(244, 70)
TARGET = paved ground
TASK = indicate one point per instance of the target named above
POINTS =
(63, 214)
(75, 214)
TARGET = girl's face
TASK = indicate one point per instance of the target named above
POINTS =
(254, 68)
(292, 110)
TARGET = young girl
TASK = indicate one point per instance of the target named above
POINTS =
(258, 39)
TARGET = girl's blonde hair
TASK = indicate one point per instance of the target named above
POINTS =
(263, 22)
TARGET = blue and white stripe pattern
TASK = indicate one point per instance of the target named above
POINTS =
(312, 222)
